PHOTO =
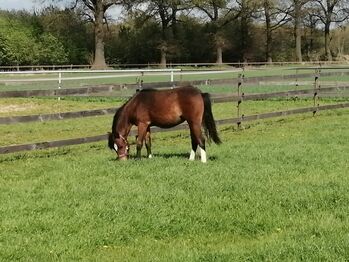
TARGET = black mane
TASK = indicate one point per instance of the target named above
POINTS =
(146, 90)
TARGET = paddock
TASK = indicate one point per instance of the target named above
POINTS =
(275, 188)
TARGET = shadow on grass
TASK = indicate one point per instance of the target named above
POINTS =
(184, 156)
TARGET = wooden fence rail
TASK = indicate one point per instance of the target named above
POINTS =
(76, 141)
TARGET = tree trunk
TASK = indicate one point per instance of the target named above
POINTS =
(99, 59)
(297, 33)
(327, 43)
(268, 32)
(163, 61)
(243, 37)
(268, 47)
(219, 55)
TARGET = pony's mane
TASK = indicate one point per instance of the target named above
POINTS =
(145, 90)
(118, 114)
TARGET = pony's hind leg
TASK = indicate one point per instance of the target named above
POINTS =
(148, 143)
(197, 140)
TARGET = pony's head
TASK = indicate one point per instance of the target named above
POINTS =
(118, 143)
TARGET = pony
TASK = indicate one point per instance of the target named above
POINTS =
(164, 109)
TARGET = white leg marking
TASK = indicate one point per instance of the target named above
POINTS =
(192, 155)
(203, 155)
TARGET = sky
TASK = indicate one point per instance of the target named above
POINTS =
(31, 5)
(16, 4)
(19, 4)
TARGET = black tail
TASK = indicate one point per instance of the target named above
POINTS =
(208, 121)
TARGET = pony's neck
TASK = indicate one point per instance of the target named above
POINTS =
(123, 125)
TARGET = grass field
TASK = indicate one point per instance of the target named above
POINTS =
(276, 191)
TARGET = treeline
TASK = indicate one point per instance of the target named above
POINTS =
(170, 32)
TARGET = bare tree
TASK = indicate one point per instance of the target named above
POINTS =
(274, 16)
(166, 13)
(220, 13)
(328, 12)
(297, 10)
(246, 10)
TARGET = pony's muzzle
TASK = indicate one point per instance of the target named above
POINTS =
(123, 158)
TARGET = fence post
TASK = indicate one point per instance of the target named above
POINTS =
(297, 84)
(172, 79)
(59, 83)
(240, 96)
(316, 91)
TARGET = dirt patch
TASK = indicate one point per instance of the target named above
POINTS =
(15, 108)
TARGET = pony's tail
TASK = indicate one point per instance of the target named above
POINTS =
(111, 139)
(208, 121)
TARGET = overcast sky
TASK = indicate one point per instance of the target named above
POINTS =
(19, 4)
(16, 4)
(31, 5)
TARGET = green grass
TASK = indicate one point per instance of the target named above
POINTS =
(251, 89)
(276, 191)
(50, 105)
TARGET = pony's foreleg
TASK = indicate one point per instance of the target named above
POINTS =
(148, 143)
(142, 130)
(194, 146)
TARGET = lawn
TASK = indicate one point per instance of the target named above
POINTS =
(276, 190)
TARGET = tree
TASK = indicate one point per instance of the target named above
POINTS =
(22, 44)
(51, 50)
(274, 17)
(298, 13)
(246, 12)
(94, 11)
(220, 13)
(328, 12)
(164, 11)
(71, 30)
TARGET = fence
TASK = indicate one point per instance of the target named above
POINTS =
(220, 98)
(106, 74)
(156, 65)
(110, 88)
(239, 98)
(238, 120)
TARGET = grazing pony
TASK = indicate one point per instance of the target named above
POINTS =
(164, 109)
